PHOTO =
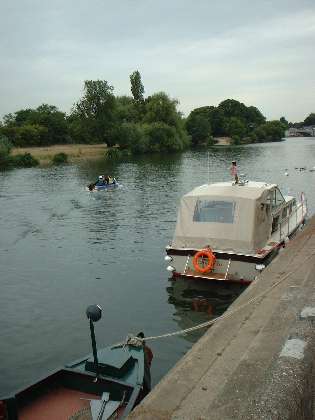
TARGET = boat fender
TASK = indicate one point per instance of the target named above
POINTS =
(204, 254)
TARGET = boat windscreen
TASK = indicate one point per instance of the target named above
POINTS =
(211, 211)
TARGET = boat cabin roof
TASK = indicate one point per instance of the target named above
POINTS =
(250, 190)
(227, 216)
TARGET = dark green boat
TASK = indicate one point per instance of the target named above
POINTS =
(104, 385)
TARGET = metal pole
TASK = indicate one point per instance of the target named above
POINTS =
(94, 347)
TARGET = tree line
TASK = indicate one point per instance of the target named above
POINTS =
(136, 123)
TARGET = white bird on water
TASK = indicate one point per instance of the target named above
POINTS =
(286, 173)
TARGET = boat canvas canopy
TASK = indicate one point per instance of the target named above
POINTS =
(225, 216)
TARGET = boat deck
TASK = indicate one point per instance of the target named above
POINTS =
(61, 403)
(211, 276)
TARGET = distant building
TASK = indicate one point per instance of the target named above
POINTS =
(301, 132)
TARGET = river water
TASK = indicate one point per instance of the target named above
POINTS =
(62, 249)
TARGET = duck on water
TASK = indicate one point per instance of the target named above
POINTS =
(106, 384)
(230, 231)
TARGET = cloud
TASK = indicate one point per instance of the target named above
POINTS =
(257, 52)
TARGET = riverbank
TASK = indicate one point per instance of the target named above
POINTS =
(75, 152)
(222, 141)
(257, 363)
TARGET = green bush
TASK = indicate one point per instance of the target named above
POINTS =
(236, 140)
(5, 149)
(24, 161)
(113, 154)
(60, 159)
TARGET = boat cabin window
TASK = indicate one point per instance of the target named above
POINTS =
(275, 198)
(284, 212)
(214, 211)
(275, 224)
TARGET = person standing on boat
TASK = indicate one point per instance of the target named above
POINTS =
(234, 171)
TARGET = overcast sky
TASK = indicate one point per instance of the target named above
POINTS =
(201, 52)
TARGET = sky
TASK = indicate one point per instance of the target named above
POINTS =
(200, 52)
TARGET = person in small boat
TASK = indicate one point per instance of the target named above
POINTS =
(148, 356)
(91, 187)
(106, 179)
(233, 170)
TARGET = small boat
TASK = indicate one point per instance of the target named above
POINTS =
(231, 231)
(105, 385)
(103, 183)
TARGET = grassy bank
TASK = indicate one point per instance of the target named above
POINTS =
(75, 152)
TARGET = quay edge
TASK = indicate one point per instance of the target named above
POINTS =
(257, 364)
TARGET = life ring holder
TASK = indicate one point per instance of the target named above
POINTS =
(204, 253)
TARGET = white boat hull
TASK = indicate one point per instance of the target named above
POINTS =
(233, 267)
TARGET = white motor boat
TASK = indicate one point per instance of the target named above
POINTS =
(231, 231)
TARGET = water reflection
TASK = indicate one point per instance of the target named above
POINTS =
(196, 301)
(62, 248)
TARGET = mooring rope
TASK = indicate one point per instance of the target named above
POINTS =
(224, 316)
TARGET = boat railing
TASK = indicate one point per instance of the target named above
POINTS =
(186, 264)
(284, 225)
(227, 270)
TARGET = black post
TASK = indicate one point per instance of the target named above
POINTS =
(94, 313)
(94, 347)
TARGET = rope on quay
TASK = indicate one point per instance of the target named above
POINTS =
(131, 338)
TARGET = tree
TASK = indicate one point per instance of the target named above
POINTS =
(126, 109)
(235, 127)
(96, 110)
(44, 125)
(254, 117)
(270, 131)
(284, 122)
(128, 135)
(160, 108)
(199, 128)
(163, 138)
(137, 88)
(233, 108)
(5, 149)
(310, 120)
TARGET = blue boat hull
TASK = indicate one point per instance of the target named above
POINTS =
(100, 187)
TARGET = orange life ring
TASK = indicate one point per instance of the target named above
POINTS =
(204, 253)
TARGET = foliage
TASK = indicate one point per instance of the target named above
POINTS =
(96, 111)
(44, 125)
(25, 160)
(127, 135)
(137, 88)
(126, 110)
(270, 131)
(160, 108)
(60, 158)
(137, 124)
(235, 127)
(5, 149)
(230, 118)
(162, 137)
(113, 154)
(199, 128)
(236, 140)
(284, 122)
(310, 120)
(26, 135)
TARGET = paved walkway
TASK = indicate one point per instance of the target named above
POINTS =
(257, 364)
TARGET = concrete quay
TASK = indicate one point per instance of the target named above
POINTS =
(259, 363)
